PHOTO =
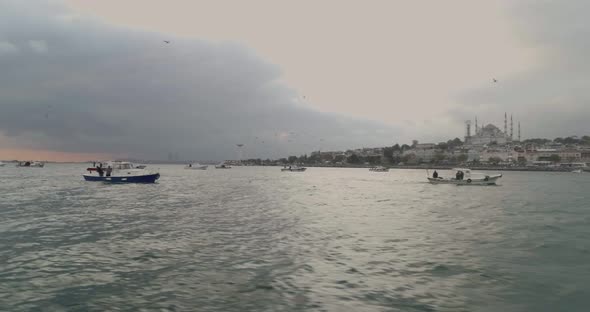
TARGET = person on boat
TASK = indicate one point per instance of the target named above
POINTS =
(435, 174)
(99, 170)
(459, 175)
(109, 171)
(190, 165)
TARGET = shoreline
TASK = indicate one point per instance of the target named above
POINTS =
(447, 167)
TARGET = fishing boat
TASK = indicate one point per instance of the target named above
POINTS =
(464, 176)
(196, 166)
(222, 166)
(30, 164)
(293, 169)
(379, 169)
(119, 172)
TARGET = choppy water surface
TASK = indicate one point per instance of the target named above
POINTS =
(256, 239)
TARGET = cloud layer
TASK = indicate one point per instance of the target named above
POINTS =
(553, 98)
(74, 84)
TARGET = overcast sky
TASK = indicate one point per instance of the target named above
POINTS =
(84, 79)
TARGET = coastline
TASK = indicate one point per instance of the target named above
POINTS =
(449, 167)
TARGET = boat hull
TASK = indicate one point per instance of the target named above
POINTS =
(489, 181)
(295, 170)
(147, 178)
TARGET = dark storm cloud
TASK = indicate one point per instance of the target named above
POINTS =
(75, 84)
(553, 98)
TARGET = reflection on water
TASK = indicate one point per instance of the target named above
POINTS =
(257, 239)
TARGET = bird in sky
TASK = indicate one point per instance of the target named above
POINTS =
(166, 41)
(494, 80)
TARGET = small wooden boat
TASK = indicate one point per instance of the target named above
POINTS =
(293, 169)
(379, 169)
(30, 164)
(196, 167)
(464, 176)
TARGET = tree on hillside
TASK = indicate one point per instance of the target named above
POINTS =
(292, 159)
(374, 160)
(397, 148)
(339, 159)
(409, 159)
(554, 158)
(536, 141)
(494, 160)
(462, 158)
(354, 159)
(457, 142)
(405, 147)
(439, 157)
(442, 146)
(388, 153)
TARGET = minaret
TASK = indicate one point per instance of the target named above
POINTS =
(505, 124)
(511, 128)
(476, 129)
(467, 129)
(519, 131)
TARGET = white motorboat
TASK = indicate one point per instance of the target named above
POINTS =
(30, 164)
(464, 176)
(379, 169)
(577, 171)
(222, 166)
(293, 169)
(196, 166)
(2, 164)
(119, 172)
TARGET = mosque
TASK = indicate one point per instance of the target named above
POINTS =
(490, 134)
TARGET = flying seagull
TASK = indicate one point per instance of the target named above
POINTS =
(166, 41)
(494, 80)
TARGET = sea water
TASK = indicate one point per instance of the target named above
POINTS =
(258, 239)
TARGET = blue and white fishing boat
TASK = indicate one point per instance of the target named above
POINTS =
(119, 172)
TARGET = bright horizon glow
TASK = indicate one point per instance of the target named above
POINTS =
(8, 154)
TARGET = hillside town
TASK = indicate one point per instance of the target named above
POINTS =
(482, 146)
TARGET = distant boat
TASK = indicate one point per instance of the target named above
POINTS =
(30, 164)
(577, 171)
(469, 178)
(196, 166)
(379, 169)
(293, 169)
(2, 164)
(122, 172)
(222, 166)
